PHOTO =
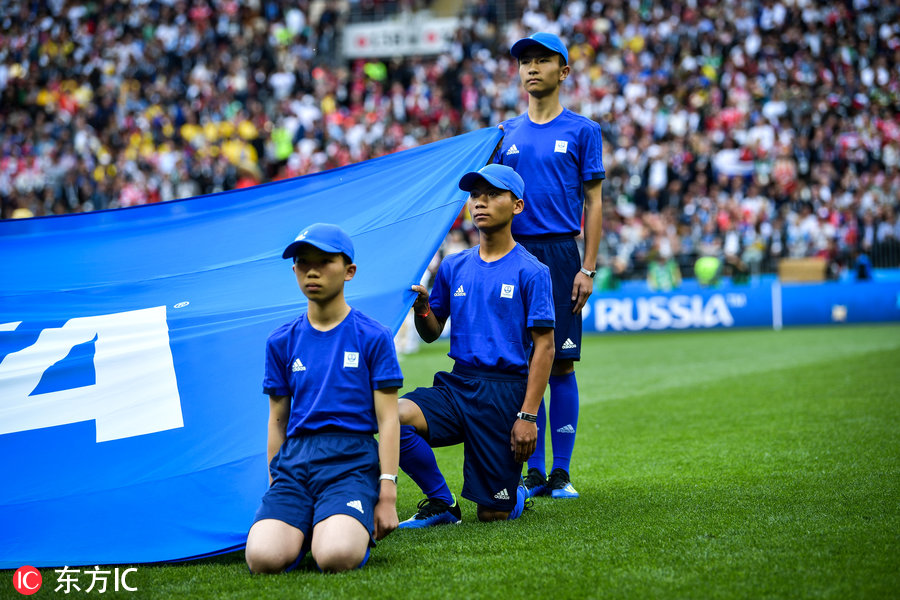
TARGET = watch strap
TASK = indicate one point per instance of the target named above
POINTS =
(527, 417)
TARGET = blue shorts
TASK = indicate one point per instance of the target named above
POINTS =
(478, 408)
(320, 475)
(560, 254)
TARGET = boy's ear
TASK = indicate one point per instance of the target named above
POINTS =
(518, 205)
(350, 272)
(563, 73)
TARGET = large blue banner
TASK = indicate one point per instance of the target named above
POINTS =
(132, 420)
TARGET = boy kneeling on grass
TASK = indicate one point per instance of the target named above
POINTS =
(332, 378)
(501, 305)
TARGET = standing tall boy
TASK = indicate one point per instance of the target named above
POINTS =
(332, 378)
(559, 155)
(499, 300)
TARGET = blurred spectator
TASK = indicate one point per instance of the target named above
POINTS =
(747, 130)
(708, 270)
(663, 274)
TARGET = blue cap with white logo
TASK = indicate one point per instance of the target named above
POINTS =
(499, 176)
(325, 237)
(547, 40)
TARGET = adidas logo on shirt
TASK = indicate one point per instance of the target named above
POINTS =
(355, 504)
(566, 429)
(568, 344)
(502, 495)
(297, 366)
(459, 291)
(512, 150)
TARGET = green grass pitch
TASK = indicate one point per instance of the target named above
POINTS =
(717, 464)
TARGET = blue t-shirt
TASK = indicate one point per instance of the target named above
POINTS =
(491, 306)
(553, 159)
(330, 375)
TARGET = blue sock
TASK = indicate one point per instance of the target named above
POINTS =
(563, 418)
(515, 513)
(538, 460)
(417, 460)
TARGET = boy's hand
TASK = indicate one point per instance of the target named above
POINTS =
(420, 306)
(523, 439)
(386, 519)
(582, 288)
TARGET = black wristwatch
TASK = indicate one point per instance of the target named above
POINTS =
(527, 417)
(588, 273)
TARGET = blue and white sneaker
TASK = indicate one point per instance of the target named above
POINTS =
(536, 483)
(523, 501)
(433, 512)
(559, 484)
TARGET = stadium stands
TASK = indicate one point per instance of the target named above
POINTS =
(752, 131)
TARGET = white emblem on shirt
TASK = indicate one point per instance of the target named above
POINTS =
(506, 290)
(512, 150)
(297, 366)
(561, 146)
(351, 360)
(459, 291)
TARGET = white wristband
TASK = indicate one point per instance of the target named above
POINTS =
(388, 477)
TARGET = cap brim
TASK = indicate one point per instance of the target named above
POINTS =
(523, 44)
(292, 248)
(468, 181)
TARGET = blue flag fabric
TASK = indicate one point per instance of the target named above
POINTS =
(132, 342)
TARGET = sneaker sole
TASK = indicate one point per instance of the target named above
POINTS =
(563, 494)
(422, 524)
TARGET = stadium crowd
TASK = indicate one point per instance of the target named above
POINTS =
(747, 130)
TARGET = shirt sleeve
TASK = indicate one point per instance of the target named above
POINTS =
(385, 368)
(275, 382)
(539, 299)
(592, 156)
(439, 300)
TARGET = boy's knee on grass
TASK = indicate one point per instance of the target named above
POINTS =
(334, 558)
(267, 561)
(489, 514)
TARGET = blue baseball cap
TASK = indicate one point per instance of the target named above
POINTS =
(499, 176)
(325, 237)
(547, 40)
